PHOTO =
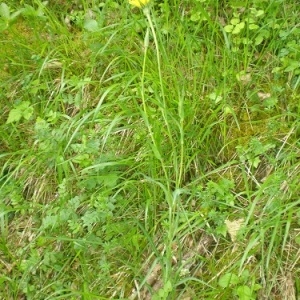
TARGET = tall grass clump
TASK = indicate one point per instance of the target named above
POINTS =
(149, 150)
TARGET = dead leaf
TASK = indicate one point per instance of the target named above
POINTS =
(263, 96)
(233, 227)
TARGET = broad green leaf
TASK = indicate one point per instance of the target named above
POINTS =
(90, 217)
(235, 21)
(27, 112)
(221, 229)
(168, 286)
(3, 25)
(74, 225)
(238, 4)
(270, 102)
(246, 41)
(82, 159)
(258, 40)
(253, 26)
(49, 221)
(163, 292)
(228, 28)
(259, 13)
(91, 25)
(245, 275)
(298, 222)
(136, 240)
(244, 293)
(276, 70)
(228, 279)
(15, 14)
(195, 17)
(292, 66)
(228, 110)
(255, 162)
(257, 287)
(14, 116)
(250, 20)
(110, 180)
(215, 97)
(238, 28)
(156, 152)
(241, 25)
(4, 11)
(23, 105)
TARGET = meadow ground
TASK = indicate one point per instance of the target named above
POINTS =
(150, 153)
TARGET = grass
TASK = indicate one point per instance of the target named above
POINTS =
(149, 153)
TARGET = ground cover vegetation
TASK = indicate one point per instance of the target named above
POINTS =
(149, 152)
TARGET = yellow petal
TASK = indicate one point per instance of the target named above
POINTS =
(138, 3)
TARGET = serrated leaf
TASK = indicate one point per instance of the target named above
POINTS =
(255, 162)
(90, 218)
(49, 221)
(221, 230)
(14, 116)
(83, 160)
(228, 279)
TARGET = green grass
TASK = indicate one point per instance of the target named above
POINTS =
(149, 154)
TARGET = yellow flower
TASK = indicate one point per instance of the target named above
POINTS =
(138, 3)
